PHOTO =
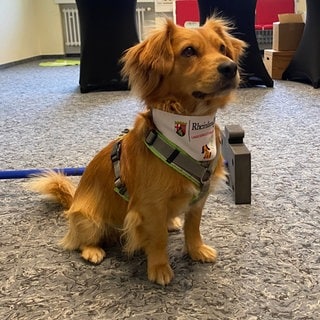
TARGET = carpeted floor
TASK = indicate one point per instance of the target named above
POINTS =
(269, 251)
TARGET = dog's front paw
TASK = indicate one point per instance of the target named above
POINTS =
(161, 274)
(93, 254)
(203, 253)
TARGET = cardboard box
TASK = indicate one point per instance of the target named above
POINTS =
(287, 32)
(276, 62)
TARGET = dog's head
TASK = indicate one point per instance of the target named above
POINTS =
(190, 71)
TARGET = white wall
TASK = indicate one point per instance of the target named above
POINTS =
(29, 28)
(49, 27)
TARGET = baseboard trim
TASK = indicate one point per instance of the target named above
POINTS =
(41, 57)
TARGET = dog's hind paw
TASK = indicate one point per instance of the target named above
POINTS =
(203, 253)
(161, 274)
(174, 224)
(93, 254)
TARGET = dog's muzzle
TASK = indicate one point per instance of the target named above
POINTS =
(228, 71)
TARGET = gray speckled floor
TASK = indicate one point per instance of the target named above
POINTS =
(269, 251)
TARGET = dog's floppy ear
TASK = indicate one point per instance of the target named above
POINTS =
(234, 47)
(145, 64)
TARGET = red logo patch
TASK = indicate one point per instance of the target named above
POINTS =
(180, 127)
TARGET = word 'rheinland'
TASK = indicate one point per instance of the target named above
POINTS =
(198, 126)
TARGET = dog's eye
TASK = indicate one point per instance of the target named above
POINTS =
(189, 52)
(223, 49)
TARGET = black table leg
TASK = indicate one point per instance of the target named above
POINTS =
(305, 64)
(107, 28)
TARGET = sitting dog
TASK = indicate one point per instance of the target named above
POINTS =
(138, 186)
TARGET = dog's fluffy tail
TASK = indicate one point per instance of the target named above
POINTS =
(55, 185)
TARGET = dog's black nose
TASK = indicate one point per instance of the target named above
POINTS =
(228, 69)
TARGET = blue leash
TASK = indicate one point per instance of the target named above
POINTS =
(29, 173)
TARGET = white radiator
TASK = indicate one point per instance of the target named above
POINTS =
(140, 22)
(72, 26)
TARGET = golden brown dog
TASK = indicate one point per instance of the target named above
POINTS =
(191, 72)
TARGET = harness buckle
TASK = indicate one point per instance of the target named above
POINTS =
(118, 183)
(115, 154)
(120, 186)
(122, 191)
(151, 137)
(206, 176)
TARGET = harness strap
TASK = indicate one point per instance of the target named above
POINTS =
(198, 172)
(119, 186)
(177, 158)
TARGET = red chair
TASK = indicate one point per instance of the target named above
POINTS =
(187, 11)
(267, 12)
